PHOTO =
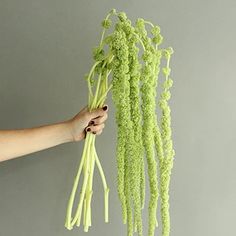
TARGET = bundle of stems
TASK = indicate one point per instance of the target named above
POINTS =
(90, 156)
(134, 60)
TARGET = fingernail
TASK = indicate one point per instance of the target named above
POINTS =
(91, 122)
(104, 108)
(94, 132)
(88, 129)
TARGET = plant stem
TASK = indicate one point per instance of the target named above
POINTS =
(90, 184)
(106, 189)
(90, 74)
(103, 97)
(79, 208)
(75, 185)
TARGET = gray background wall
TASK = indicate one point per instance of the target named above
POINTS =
(45, 49)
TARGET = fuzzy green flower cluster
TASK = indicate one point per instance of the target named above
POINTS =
(148, 110)
(120, 96)
(134, 60)
(166, 163)
(126, 76)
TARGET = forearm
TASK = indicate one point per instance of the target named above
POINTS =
(15, 143)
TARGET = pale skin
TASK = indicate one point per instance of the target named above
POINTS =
(20, 142)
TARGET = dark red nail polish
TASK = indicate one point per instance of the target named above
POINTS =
(88, 129)
(91, 122)
(94, 132)
(104, 108)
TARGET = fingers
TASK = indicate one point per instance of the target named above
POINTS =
(99, 120)
(99, 132)
(98, 112)
(95, 129)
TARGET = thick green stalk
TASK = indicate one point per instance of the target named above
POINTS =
(79, 208)
(68, 224)
(105, 187)
(89, 191)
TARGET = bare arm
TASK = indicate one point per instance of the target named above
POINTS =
(16, 143)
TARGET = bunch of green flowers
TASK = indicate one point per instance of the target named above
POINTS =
(133, 59)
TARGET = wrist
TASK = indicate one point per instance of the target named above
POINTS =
(67, 128)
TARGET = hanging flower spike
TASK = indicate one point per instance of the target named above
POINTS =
(147, 56)
(137, 171)
(127, 28)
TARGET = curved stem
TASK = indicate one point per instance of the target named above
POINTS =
(90, 74)
(97, 90)
(106, 189)
(104, 30)
(84, 213)
(168, 65)
(140, 40)
(90, 184)
(103, 97)
(79, 208)
(149, 23)
(75, 185)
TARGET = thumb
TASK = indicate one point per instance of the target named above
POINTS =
(98, 112)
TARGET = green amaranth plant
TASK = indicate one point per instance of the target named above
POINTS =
(133, 59)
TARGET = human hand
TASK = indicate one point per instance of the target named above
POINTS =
(86, 121)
